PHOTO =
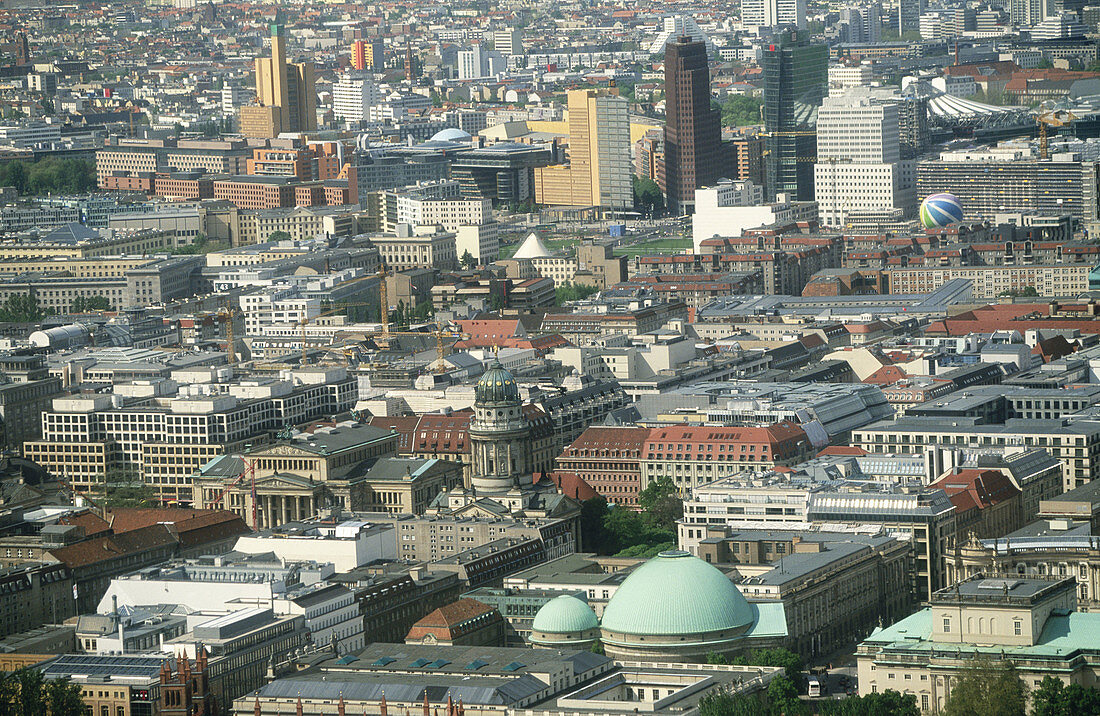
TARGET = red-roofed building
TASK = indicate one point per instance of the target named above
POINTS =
(608, 459)
(987, 503)
(1019, 317)
(692, 455)
(466, 622)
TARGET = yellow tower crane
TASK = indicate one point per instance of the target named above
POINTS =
(1051, 118)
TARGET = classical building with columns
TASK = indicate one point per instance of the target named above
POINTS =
(346, 466)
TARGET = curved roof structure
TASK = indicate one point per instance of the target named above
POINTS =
(947, 109)
(564, 615)
(496, 386)
(676, 594)
(532, 248)
(451, 134)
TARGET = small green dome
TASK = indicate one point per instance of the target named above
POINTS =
(675, 594)
(496, 386)
(564, 615)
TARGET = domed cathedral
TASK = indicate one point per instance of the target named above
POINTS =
(674, 607)
(510, 455)
(499, 434)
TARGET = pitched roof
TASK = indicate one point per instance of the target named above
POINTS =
(455, 613)
(101, 549)
(975, 488)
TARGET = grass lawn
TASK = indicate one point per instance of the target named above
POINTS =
(656, 246)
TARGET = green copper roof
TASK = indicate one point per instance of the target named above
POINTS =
(496, 386)
(676, 594)
(564, 615)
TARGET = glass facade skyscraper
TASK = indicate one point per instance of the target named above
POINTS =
(795, 82)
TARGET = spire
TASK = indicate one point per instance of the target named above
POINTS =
(340, 705)
(427, 712)
(256, 706)
(298, 708)
(383, 709)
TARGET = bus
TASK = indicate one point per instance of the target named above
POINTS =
(814, 687)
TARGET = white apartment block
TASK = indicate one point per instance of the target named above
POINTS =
(353, 98)
(770, 13)
(269, 309)
(989, 282)
(481, 240)
(447, 213)
(859, 167)
(844, 77)
(729, 208)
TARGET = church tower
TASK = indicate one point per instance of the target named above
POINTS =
(499, 434)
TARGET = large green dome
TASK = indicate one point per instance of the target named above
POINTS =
(676, 594)
(496, 386)
(564, 615)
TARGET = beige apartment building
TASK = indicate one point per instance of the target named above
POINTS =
(1075, 444)
(113, 243)
(410, 248)
(989, 282)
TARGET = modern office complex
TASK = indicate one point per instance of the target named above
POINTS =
(694, 154)
(795, 81)
(285, 94)
(599, 171)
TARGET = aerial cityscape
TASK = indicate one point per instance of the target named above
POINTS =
(571, 359)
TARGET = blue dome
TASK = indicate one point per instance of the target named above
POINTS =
(496, 386)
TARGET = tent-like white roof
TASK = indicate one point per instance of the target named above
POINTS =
(532, 248)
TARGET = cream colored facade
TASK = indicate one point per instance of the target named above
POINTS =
(1029, 621)
(1069, 279)
(429, 250)
(599, 170)
(1076, 445)
(300, 222)
(119, 241)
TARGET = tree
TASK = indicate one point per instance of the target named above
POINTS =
(572, 292)
(987, 688)
(648, 196)
(741, 110)
(719, 703)
(790, 662)
(593, 512)
(468, 261)
(81, 304)
(783, 697)
(661, 500)
(23, 308)
(496, 302)
(25, 693)
(887, 703)
(278, 236)
(1054, 698)
(64, 698)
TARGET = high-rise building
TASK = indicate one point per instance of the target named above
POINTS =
(508, 41)
(673, 28)
(909, 12)
(864, 23)
(599, 171)
(795, 81)
(286, 94)
(477, 62)
(694, 154)
(368, 54)
(859, 167)
(353, 97)
(771, 13)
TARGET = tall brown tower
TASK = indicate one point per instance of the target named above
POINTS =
(694, 154)
(22, 50)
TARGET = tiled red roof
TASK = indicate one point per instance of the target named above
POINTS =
(92, 523)
(99, 549)
(572, 485)
(974, 488)
(451, 615)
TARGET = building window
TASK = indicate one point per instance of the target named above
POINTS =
(946, 626)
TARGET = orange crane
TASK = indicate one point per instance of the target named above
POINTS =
(1051, 118)
(227, 313)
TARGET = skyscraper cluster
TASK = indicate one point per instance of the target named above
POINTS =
(286, 94)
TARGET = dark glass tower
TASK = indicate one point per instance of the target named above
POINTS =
(694, 153)
(795, 81)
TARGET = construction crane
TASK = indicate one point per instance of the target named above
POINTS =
(1051, 118)
(332, 311)
(249, 471)
(227, 313)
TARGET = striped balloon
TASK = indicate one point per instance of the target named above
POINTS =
(940, 210)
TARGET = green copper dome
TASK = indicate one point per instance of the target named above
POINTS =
(676, 594)
(564, 615)
(496, 386)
